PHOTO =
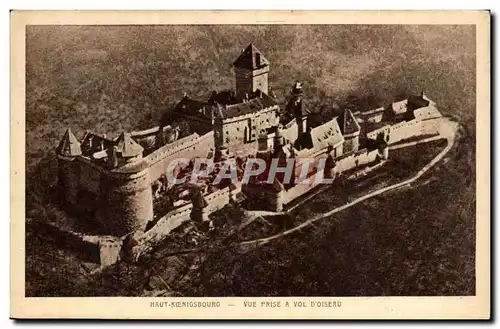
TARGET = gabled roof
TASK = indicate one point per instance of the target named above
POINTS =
(69, 145)
(92, 143)
(191, 107)
(326, 134)
(249, 59)
(349, 123)
(427, 112)
(259, 101)
(223, 97)
(127, 146)
(416, 102)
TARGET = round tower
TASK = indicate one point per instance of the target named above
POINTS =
(127, 200)
(126, 192)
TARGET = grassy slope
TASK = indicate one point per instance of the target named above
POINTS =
(122, 78)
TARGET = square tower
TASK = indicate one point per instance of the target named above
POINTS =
(251, 69)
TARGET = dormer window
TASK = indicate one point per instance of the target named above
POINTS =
(257, 60)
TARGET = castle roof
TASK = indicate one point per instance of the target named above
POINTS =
(427, 112)
(321, 137)
(127, 146)
(69, 145)
(251, 58)
(416, 102)
(256, 102)
(191, 107)
(326, 134)
(260, 101)
(223, 97)
(349, 123)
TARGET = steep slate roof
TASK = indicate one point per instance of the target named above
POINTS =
(257, 101)
(248, 59)
(69, 145)
(127, 146)
(349, 123)
(416, 102)
(193, 107)
(328, 134)
(260, 102)
(223, 97)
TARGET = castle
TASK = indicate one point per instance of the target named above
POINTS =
(120, 181)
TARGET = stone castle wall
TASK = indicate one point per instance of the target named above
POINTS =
(234, 132)
(121, 202)
(350, 161)
(407, 129)
(248, 81)
(127, 203)
(188, 147)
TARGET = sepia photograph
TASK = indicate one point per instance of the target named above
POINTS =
(267, 160)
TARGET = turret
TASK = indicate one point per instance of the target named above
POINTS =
(297, 108)
(67, 150)
(127, 149)
(69, 146)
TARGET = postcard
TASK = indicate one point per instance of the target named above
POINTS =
(250, 164)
